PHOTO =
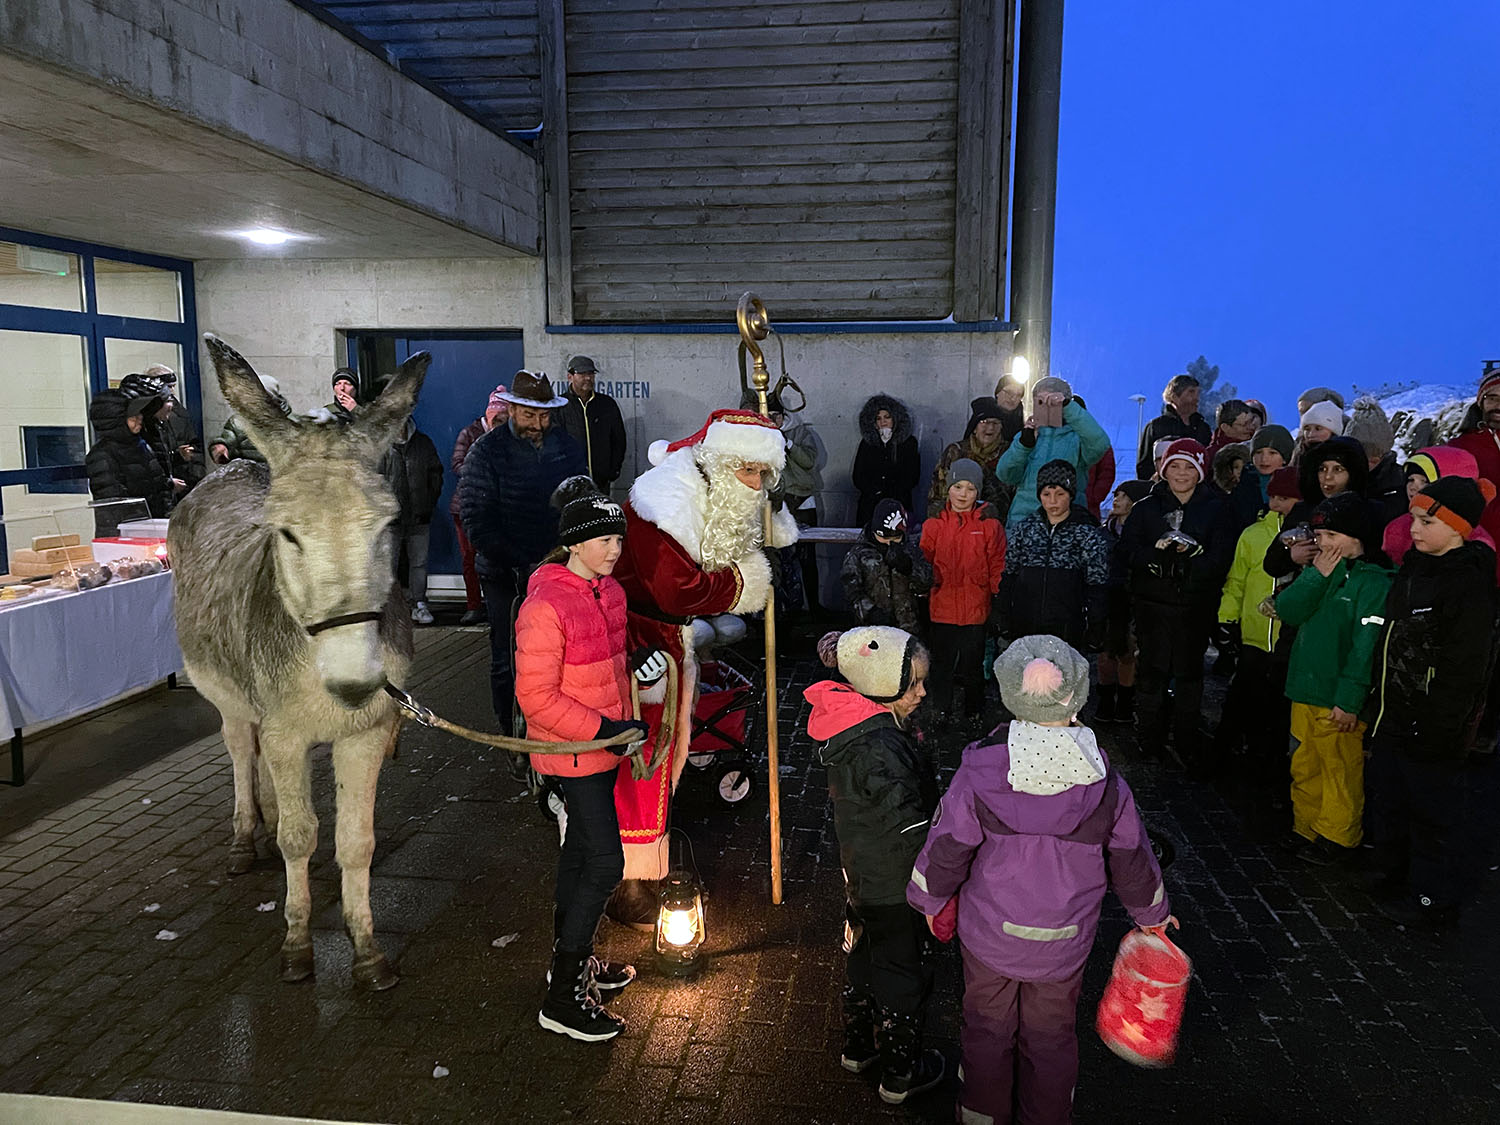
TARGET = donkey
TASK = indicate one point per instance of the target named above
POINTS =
(291, 624)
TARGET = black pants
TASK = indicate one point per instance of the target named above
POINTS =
(1172, 645)
(957, 658)
(1416, 812)
(887, 962)
(1257, 711)
(592, 862)
(499, 593)
(807, 555)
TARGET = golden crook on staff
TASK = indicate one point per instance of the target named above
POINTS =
(755, 325)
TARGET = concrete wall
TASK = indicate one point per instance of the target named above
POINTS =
(270, 73)
(286, 318)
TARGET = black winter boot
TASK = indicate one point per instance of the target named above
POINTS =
(860, 1052)
(907, 1070)
(570, 1007)
(1105, 712)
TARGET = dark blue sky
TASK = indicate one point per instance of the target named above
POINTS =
(1305, 192)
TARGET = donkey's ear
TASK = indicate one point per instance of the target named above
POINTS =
(380, 422)
(262, 415)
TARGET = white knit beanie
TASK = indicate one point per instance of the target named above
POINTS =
(1324, 414)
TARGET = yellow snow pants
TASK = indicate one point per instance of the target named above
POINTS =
(1328, 777)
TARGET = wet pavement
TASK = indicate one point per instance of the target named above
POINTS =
(132, 968)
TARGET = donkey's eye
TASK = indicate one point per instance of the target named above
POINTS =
(290, 538)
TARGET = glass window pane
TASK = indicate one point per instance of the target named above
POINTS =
(42, 279)
(124, 357)
(123, 289)
(44, 394)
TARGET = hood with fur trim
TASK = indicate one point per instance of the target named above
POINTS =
(674, 496)
(900, 419)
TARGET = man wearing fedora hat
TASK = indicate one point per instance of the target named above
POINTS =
(504, 494)
(593, 421)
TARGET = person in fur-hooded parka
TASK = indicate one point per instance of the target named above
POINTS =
(887, 465)
(1228, 464)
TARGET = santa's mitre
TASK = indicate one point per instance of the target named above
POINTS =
(736, 433)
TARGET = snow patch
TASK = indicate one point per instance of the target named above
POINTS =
(502, 942)
(266, 907)
(440, 1072)
(151, 908)
(166, 935)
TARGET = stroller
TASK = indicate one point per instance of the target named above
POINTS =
(722, 718)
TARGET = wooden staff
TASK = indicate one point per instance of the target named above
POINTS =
(755, 325)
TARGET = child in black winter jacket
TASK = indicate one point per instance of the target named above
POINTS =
(1176, 549)
(883, 795)
(883, 574)
(1431, 668)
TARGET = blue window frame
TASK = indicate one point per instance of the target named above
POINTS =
(54, 447)
(94, 328)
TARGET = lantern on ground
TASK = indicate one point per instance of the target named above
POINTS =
(680, 927)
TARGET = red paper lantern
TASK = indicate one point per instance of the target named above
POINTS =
(1141, 1012)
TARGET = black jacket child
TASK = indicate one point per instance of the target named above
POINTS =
(120, 464)
(1433, 659)
(1056, 579)
(883, 580)
(1168, 579)
(882, 787)
(885, 470)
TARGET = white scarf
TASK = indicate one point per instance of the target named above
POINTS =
(1046, 761)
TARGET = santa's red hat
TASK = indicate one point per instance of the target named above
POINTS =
(738, 433)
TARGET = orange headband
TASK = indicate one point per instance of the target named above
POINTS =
(1440, 511)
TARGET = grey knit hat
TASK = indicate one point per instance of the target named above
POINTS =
(1272, 436)
(1042, 679)
(1369, 426)
(1050, 384)
(1058, 472)
(966, 469)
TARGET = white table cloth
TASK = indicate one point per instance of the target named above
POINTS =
(62, 656)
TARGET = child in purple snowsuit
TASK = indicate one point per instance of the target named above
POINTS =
(1029, 836)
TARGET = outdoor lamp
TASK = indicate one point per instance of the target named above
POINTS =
(1020, 370)
(679, 924)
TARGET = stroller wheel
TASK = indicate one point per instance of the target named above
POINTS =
(549, 803)
(700, 761)
(734, 783)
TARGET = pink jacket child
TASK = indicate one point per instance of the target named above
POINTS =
(1028, 838)
(1429, 464)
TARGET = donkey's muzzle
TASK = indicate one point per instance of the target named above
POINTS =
(353, 694)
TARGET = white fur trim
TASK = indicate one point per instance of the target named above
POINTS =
(674, 497)
(755, 579)
(783, 528)
(745, 439)
(656, 452)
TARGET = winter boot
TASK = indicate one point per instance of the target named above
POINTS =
(570, 1007)
(1105, 712)
(634, 903)
(907, 1070)
(860, 1051)
(1125, 704)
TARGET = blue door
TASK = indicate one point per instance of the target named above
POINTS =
(465, 369)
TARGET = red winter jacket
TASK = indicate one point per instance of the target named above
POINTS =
(1101, 482)
(967, 552)
(571, 668)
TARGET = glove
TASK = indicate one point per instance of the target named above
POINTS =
(945, 921)
(1028, 436)
(899, 559)
(648, 665)
(997, 612)
(608, 728)
(1224, 635)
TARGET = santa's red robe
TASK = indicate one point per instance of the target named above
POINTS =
(666, 586)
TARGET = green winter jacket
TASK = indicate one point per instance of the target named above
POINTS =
(1248, 584)
(1338, 621)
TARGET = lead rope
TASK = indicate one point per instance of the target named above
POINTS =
(639, 767)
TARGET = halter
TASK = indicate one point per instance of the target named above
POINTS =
(345, 619)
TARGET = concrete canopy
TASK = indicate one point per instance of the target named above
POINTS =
(325, 141)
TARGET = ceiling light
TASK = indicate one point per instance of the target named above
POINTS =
(266, 236)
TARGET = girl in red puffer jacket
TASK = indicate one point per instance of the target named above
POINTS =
(573, 685)
(966, 545)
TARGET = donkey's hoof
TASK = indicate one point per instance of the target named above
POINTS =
(296, 964)
(241, 858)
(374, 974)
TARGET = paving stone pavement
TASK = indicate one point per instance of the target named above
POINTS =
(132, 968)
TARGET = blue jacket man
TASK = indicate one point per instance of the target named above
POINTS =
(1080, 441)
(504, 500)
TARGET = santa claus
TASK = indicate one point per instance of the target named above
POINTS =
(693, 548)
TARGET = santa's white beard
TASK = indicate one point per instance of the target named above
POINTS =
(732, 525)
